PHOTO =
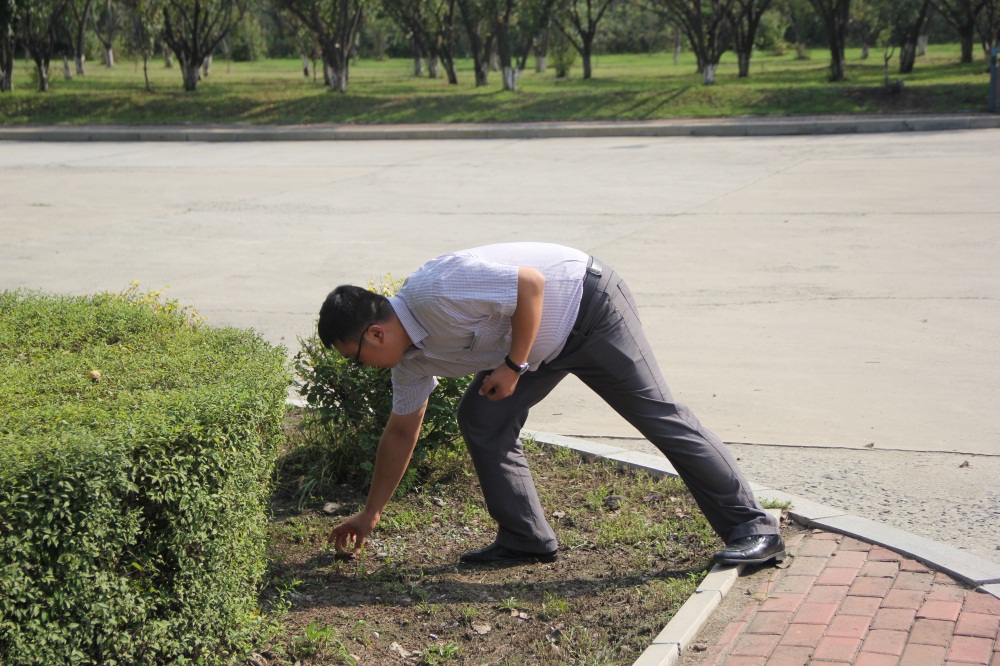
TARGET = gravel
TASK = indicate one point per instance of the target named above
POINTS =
(952, 498)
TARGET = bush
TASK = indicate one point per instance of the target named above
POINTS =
(350, 405)
(136, 448)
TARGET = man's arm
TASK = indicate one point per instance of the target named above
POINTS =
(393, 456)
(524, 323)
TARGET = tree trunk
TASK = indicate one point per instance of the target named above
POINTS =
(206, 66)
(677, 45)
(305, 65)
(80, 61)
(907, 58)
(6, 64)
(968, 39)
(922, 45)
(67, 72)
(865, 51)
(145, 71)
(708, 74)
(109, 57)
(191, 72)
(744, 64)
(338, 78)
(541, 64)
(418, 65)
(510, 76)
(42, 66)
(168, 60)
(585, 54)
(434, 67)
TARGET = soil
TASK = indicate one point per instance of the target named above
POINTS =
(632, 550)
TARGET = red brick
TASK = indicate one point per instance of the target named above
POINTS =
(837, 576)
(790, 655)
(769, 623)
(815, 614)
(827, 594)
(808, 566)
(940, 610)
(732, 630)
(981, 602)
(817, 548)
(912, 565)
(837, 648)
(754, 645)
(881, 554)
(831, 536)
(880, 569)
(942, 578)
(946, 593)
(874, 659)
(884, 641)
(932, 632)
(922, 655)
(803, 635)
(912, 580)
(898, 619)
(848, 559)
(903, 599)
(850, 543)
(871, 587)
(969, 650)
(849, 626)
(791, 542)
(782, 603)
(977, 624)
(742, 661)
(866, 606)
(996, 656)
(794, 584)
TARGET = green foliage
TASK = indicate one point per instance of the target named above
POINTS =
(350, 405)
(247, 41)
(136, 448)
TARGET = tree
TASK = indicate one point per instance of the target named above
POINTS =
(517, 24)
(835, 15)
(705, 22)
(38, 26)
(478, 23)
(106, 27)
(745, 18)
(431, 23)
(905, 20)
(194, 28)
(8, 13)
(578, 21)
(145, 24)
(335, 24)
(988, 26)
(79, 21)
(962, 14)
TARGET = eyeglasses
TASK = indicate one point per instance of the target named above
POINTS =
(361, 339)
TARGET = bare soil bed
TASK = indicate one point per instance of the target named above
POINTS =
(632, 550)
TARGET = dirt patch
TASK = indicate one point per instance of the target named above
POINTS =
(632, 550)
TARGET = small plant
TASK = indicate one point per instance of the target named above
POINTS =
(776, 504)
(434, 655)
(508, 604)
(552, 608)
(467, 614)
(311, 641)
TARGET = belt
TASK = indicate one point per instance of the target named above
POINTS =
(590, 279)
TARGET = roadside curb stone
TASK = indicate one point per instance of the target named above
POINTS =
(739, 126)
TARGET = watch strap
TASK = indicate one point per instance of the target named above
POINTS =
(520, 369)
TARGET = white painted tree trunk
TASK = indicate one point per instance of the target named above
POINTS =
(922, 45)
(433, 67)
(418, 65)
(708, 74)
(168, 60)
(109, 58)
(206, 66)
(510, 76)
(305, 65)
(541, 64)
(67, 72)
(80, 61)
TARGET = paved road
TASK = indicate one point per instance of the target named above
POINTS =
(818, 290)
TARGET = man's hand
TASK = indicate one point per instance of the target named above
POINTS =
(349, 536)
(499, 384)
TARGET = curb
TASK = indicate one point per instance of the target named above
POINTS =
(671, 642)
(747, 127)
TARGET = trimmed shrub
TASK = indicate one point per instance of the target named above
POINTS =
(136, 452)
(348, 408)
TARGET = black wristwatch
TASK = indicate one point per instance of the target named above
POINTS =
(519, 368)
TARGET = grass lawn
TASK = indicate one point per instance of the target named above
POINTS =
(632, 550)
(624, 87)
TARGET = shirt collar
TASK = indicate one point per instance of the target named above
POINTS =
(409, 322)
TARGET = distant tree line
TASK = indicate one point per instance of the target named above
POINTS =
(498, 35)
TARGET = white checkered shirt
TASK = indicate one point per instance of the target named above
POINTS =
(457, 308)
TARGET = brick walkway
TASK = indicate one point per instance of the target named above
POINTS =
(843, 601)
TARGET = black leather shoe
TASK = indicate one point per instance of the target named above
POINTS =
(754, 549)
(497, 554)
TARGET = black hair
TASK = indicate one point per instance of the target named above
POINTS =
(347, 310)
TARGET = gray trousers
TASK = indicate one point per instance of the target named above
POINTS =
(611, 355)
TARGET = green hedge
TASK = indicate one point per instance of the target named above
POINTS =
(133, 504)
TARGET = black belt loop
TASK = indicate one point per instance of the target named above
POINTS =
(595, 269)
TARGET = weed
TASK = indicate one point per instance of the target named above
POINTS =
(434, 655)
